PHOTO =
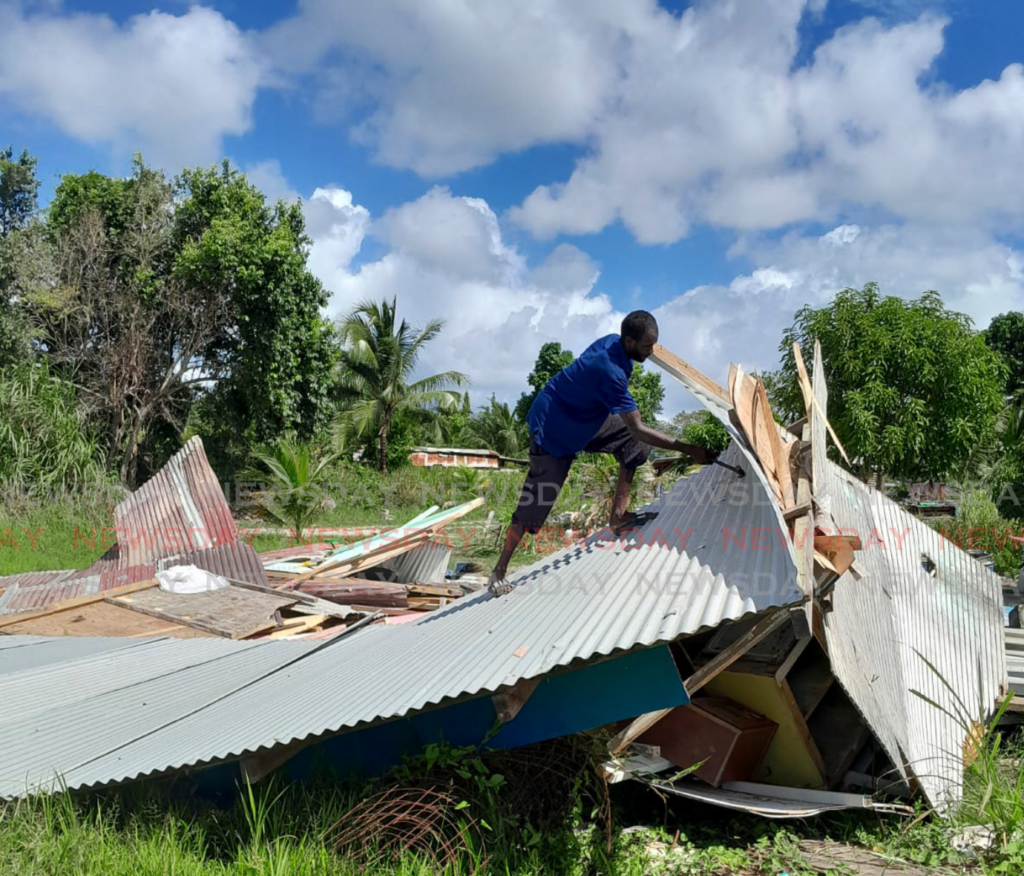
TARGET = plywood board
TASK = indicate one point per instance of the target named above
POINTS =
(100, 619)
(230, 612)
(792, 758)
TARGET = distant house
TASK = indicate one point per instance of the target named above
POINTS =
(454, 456)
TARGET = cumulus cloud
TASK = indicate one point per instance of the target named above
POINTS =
(170, 85)
(709, 116)
(499, 309)
(454, 85)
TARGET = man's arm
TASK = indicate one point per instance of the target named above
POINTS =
(654, 438)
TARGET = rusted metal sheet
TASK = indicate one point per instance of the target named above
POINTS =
(181, 508)
(238, 561)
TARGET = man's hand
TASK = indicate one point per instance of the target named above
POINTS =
(698, 454)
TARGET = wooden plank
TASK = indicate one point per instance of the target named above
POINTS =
(749, 418)
(839, 732)
(792, 758)
(827, 856)
(324, 606)
(99, 619)
(702, 676)
(303, 625)
(780, 455)
(433, 590)
(810, 681)
(791, 514)
(78, 601)
(419, 530)
(508, 703)
(819, 398)
(683, 370)
(349, 591)
(803, 378)
(229, 612)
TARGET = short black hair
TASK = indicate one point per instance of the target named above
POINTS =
(637, 324)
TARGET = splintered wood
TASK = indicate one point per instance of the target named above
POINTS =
(752, 415)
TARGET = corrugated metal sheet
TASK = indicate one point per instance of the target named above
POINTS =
(911, 599)
(886, 610)
(675, 576)
(182, 507)
(21, 653)
(238, 561)
(425, 564)
(894, 618)
(299, 550)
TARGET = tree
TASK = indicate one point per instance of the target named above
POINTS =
(19, 188)
(376, 364)
(278, 354)
(913, 390)
(297, 493)
(647, 392)
(23, 250)
(497, 428)
(165, 293)
(1007, 476)
(550, 360)
(117, 322)
(645, 387)
(1006, 335)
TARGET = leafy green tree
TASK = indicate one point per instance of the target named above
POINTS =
(913, 389)
(376, 365)
(645, 387)
(550, 360)
(19, 188)
(1006, 334)
(279, 352)
(23, 250)
(647, 392)
(1007, 476)
(707, 432)
(496, 428)
(445, 426)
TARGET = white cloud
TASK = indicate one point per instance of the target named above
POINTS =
(170, 85)
(337, 228)
(499, 311)
(446, 259)
(456, 84)
(269, 178)
(702, 117)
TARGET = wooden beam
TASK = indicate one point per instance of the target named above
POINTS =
(779, 453)
(683, 370)
(508, 703)
(718, 664)
(77, 601)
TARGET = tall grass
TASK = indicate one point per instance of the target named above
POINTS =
(44, 439)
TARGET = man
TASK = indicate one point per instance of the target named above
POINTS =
(587, 407)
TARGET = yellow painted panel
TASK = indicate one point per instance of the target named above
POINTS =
(788, 760)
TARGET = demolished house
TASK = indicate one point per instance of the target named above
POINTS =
(781, 631)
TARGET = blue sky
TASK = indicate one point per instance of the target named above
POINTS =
(533, 172)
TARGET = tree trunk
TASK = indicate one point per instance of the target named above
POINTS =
(384, 449)
(879, 479)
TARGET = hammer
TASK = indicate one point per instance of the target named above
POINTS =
(739, 471)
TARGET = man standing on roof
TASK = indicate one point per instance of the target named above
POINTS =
(587, 407)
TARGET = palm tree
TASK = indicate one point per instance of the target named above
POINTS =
(497, 428)
(296, 495)
(377, 360)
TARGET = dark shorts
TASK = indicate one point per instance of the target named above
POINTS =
(548, 473)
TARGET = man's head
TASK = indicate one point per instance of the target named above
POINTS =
(639, 335)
